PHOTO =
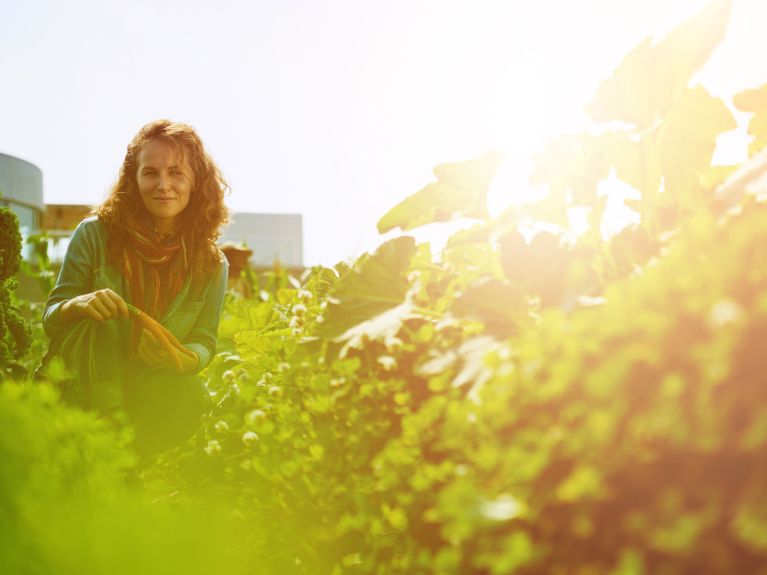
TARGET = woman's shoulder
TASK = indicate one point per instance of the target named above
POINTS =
(222, 261)
(222, 265)
(91, 224)
(91, 228)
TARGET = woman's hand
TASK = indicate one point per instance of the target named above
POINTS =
(99, 305)
(154, 353)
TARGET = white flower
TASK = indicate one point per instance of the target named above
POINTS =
(304, 295)
(275, 391)
(213, 447)
(249, 438)
(299, 309)
(503, 508)
(221, 426)
(387, 362)
(255, 416)
(725, 312)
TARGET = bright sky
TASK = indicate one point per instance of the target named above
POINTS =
(335, 109)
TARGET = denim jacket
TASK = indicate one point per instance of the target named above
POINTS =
(192, 316)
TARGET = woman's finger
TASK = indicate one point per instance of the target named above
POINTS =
(152, 351)
(91, 312)
(120, 305)
(96, 304)
(106, 300)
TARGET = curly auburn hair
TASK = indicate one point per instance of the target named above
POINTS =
(202, 217)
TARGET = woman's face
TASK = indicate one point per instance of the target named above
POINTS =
(165, 182)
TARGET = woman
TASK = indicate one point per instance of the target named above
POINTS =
(151, 244)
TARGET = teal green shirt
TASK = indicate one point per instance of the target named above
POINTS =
(192, 316)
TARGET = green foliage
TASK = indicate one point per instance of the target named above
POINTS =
(40, 265)
(376, 284)
(460, 190)
(755, 101)
(668, 137)
(654, 75)
(15, 335)
(622, 436)
(554, 404)
(513, 404)
(65, 506)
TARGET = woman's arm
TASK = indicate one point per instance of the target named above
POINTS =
(72, 297)
(75, 278)
(100, 305)
(204, 334)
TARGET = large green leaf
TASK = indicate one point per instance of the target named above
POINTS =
(460, 190)
(383, 327)
(574, 164)
(652, 76)
(636, 162)
(687, 140)
(755, 101)
(378, 285)
(501, 307)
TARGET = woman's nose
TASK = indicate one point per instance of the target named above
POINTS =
(163, 182)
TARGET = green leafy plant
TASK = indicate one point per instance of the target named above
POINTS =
(15, 337)
(69, 501)
(555, 404)
(520, 402)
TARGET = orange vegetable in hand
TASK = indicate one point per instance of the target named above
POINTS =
(169, 341)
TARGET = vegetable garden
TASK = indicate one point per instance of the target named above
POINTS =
(527, 400)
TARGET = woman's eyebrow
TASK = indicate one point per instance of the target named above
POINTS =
(144, 167)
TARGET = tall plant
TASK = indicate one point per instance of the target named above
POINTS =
(15, 336)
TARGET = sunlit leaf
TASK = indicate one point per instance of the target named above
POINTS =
(460, 190)
(480, 233)
(749, 180)
(501, 307)
(631, 248)
(286, 295)
(475, 369)
(378, 285)
(584, 482)
(755, 101)
(551, 209)
(652, 76)
(637, 163)
(687, 140)
(574, 164)
(716, 175)
(547, 268)
(383, 327)
(260, 313)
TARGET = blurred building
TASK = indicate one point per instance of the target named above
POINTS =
(271, 237)
(21, 185)
(58, 222)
